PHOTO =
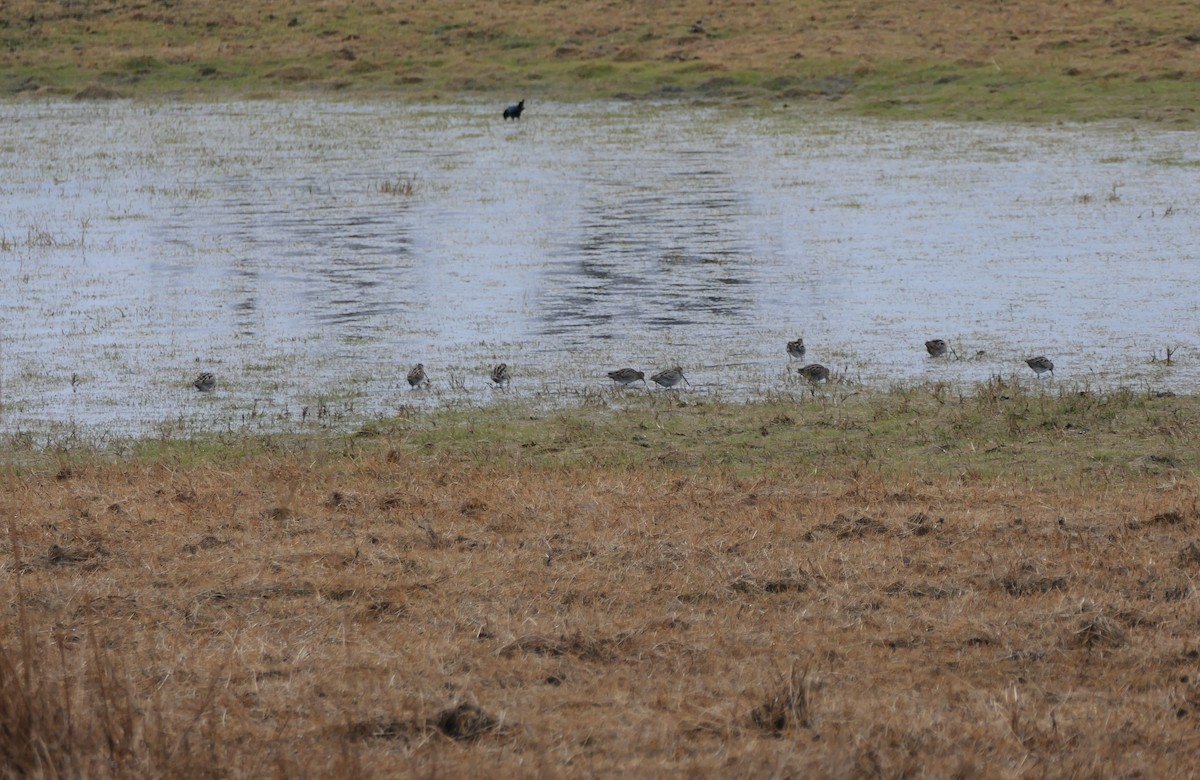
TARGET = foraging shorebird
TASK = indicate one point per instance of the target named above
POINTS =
(417, 376)
(500, 375)
(1041, 365)
(796, 348)
(670, 377)
(814, 372)
(935, 347)
(205, 382)
(627, 376)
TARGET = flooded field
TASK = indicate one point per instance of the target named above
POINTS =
(309, 253)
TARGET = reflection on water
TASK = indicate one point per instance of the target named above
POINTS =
(656, 242)
(265, 242)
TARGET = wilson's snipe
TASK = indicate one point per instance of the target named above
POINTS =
(814, 372)
(670, 377)
(627, 376)
(1041, 365)
(417, 376)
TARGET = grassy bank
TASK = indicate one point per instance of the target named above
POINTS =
(1021, 60)
(914, 582)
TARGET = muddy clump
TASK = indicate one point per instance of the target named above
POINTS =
(466, 723)
(97, 92)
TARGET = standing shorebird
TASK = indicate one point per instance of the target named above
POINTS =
(500, 375)
(936, 347)
(796, 348)
(814, 372)
(1041, 365)
(670, 377)
(205, 382)
(627, 376)
(417, 376)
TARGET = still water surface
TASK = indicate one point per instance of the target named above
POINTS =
(265, 242)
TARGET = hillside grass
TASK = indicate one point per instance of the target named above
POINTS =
(1019, 60)
(913, 582)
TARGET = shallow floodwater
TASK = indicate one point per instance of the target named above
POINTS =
(267, 242)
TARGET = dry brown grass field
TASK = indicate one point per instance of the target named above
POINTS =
(911, 583)
(1015, 59)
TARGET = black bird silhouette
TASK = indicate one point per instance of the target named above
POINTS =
(514, 111)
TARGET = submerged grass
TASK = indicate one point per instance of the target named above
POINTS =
(1019, 60)
(844, 585)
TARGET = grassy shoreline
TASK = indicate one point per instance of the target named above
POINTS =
(1056, 430)
(1016, 61)
(910, 582)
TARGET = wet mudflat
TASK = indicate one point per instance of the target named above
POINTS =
(309, 253)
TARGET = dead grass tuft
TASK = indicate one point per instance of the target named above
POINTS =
(847, 527)
(1094, 628)
(1190, 555)
(61, 720)
(787, 707)
(921, 524)
(788, 583)
(575, 645)
(97, 92)
(1162, 518)
(339, 500)
(58, 555)
(403, 730)
(463, 723)
(405, 186)
(1028, 578)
